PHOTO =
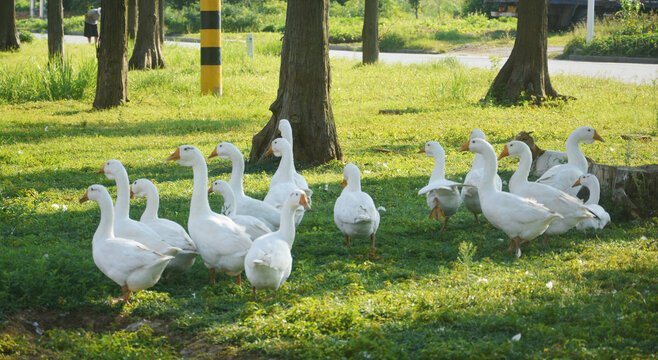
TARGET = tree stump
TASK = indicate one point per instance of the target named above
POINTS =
(633, 188)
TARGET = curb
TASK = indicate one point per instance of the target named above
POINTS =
(615, 59)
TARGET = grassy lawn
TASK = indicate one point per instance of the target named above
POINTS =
(429, 294)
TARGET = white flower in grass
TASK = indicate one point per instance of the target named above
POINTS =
(483, 280)
(367, 171)
(549, 285)
(611, 149)
(20, 152)
(45, 129)
(643, 238)
(385, 165)
(501, 239)
(326, 187)
(381, 208)
(55, 206)
(504, 182)
(516, 337)
(65, 208)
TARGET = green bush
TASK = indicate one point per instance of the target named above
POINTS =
(641, 45)
(25, 36)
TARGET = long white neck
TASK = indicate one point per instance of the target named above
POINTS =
(438, 173)
(478, 162)
(520, 176)
(287, 166)
(354, 184)
(230, 206)
(287, 226)
(237, 174)
(594, 193)
(199, 204)
(575, 156)
(106, 226)
(490, 168)
(122, 208)
(152, 204)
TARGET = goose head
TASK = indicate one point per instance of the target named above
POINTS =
(477, 134)
(140, 187)
(514, 149)
(112, 169)
(186, 155)
(526, 138)
(219, 187)
(95, 193)
(351, 175)
(587, 134)
(297, 198)
(224, 150)
(433, 149)
(587, 180)
(478, 146)
(285, 129)
(278, 147)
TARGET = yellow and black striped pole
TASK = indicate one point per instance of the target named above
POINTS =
(211, 47)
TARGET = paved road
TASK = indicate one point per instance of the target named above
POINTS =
(629, 73)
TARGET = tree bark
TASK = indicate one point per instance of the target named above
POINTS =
(55, 30)
(132, 19)
(370, 33)
(161, 18)
(147, 53)
(8, 33)
(112, 79)
(526, 70)
(304, 96)
(634, 189)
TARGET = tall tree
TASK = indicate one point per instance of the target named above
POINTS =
(55, 30)
(526, 70)
(304, 86)
(132, 19)
(161, 18)
(8, 33)
(147, 53)
(370, 32)
(112, 78)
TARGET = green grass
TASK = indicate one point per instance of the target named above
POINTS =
(425, 296)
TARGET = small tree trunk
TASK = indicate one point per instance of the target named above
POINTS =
(132, 19)
(526, 70)
(8, 33)
(147, 53)
(635, 189)
(112, 79)
(55, 30)
(370, 33)
(304, 87)
(161, 17)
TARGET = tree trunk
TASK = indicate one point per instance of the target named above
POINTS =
(370, 33)
(526, 70)
(132, 19)
(635, 189)
(55, 30)
(304, 87)
(161, 17)
(147, 53)
(8, 34)
(112, 79)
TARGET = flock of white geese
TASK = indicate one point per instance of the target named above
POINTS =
(256, 236)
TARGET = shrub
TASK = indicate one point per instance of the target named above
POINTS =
(25, 36)
(641, 45)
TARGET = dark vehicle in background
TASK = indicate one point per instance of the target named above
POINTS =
(564, 13)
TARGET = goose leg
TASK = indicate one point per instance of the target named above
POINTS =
(513, 245)
(476, 218)
(372, 245)
(238, 280)
(347, 239)
(436, 212)
(126, 294)
(253, 291)
(545, 239)
(445, 222)
(212, 276)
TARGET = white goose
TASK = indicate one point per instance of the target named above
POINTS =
(442, 195)
(286, 132)
(254, 227)
(469, 194)
(128, 263)
(245, 205)
(222, 243)
(572, 209)
(520, 218)
(279, 192)
(602, 218)
(354, 211)
(124, 226)
(170, 231)
(563, 176)
(269, 262)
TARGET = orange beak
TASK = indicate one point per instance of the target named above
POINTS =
(210, 190)
(598, 137)
(303, 201)
(269, 151)
(132, 194)
(175, 155)
(84, 197)
(213, 153)
(577, 183)
(344, 183)
(101, 171)
(465, 146)
(504, 153)
(422, 150)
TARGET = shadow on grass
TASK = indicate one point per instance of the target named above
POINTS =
(456, 37)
